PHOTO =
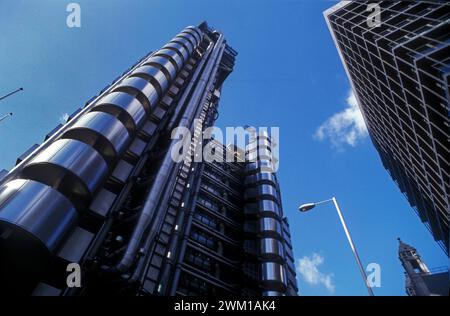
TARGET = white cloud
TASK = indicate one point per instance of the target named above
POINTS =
(344, 128)
(63, 118)
(308, 268)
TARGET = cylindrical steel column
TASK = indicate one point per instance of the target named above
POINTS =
(261, 188)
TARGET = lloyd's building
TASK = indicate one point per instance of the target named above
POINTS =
(103, 194)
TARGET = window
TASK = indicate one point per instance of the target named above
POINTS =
(199, 260)
(203, 239)
(207, 220)
(208, 203)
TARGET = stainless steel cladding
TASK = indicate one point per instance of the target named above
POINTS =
(34, 220)
(142, 90)
(70, 166)
(271, 248)
(270, 226)
(263, 177)
(125, 107)
(158, 68)
(180, 49)
(263, 164)
(269, 208)
(103, 132)
(155, 74)
(273, 276)
(261, 153)
(272, 293)
(193, 31)
(172, 56)
(268, 190)
(42, 200)
(187, 44)
(262, 187)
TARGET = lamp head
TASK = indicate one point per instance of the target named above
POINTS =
(306, 207)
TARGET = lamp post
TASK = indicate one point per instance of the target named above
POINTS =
(11, 93)
(4, 117)
(308, 206)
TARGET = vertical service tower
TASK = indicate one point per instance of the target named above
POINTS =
(264, 201)
(103, 196)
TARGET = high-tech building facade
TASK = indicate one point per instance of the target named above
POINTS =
(399, 70)
(104, 192)
(230, 235)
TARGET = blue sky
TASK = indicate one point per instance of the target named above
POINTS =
(288, 74)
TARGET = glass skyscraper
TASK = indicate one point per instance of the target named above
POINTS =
(399, 69)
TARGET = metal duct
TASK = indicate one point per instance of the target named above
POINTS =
(175, 117)
(152, 199)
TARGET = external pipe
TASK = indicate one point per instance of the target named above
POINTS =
(184, 236)
(187, 92)
(164, 170)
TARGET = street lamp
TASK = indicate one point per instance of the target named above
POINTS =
(11, 93)
(4, 117)
(308, 206)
